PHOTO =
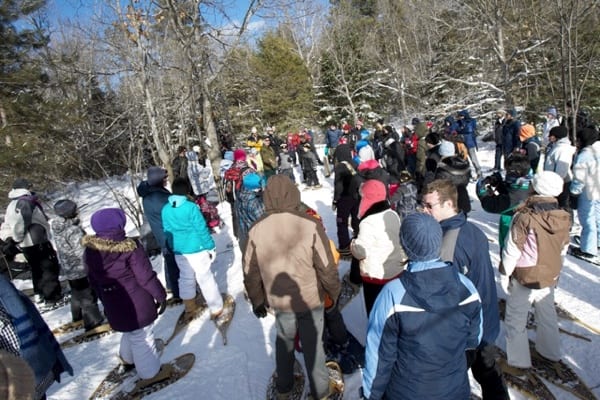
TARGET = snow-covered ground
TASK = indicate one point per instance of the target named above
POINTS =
(242, 368)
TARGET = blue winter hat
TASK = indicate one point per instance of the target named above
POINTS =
(156, 175)
(421, 237)
(360, 144)
(415, 121)
(552, 111)
(252, 181)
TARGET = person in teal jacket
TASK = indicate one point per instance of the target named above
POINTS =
(188, 237)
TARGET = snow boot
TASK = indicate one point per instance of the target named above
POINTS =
(165, 372)
(190, 310)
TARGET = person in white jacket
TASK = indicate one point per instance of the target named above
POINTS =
(377, 245)
(586, 187)
(551, 122)
(559, 157)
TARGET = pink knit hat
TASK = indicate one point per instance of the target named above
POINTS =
(239, 155)
(372, 191)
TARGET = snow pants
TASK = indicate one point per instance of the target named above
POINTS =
(487, 374)
(84, 303)
(588, 212)
(44, 271)
(195, 269)
(547, 341)
(474, 160)
(347, 207)
(309, 325)
(498, 157)
(138, 347)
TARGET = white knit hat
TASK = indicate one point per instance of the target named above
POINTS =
(547, 183)
(446, 149)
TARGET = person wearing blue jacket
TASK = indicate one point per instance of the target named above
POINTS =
(25, 334)
(422, 324)
(467, 127)
(332, 138)
(154, 196)
(467, 247)
(188, 237)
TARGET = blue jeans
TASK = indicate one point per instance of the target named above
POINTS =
(588, 212)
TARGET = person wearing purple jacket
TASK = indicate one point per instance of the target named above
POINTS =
(122, 276)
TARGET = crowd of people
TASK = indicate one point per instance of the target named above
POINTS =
(401, 206)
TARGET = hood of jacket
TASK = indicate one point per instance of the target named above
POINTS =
(16, 193)
(144, 189)
(60, 224)
(429, 285)
(281, 194)
(540, 209)
(110, 246)
(177, 200)
(191, 155)
(343, 152)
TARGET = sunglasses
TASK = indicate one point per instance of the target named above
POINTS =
(430, 206)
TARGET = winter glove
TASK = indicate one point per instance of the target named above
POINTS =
(160, 306)
(326, 151)
(212, 254)
(260, 311)
(505, 283)
(573, 200)
(334, 206)
(10, 248)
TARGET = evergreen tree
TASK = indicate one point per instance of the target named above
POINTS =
(284, 85)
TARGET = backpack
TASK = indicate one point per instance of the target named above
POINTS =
(232, 182)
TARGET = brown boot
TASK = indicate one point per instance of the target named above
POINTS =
(190, 310)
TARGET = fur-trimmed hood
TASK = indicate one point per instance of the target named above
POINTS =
(100, 244)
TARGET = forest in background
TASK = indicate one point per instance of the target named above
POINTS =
(121, 90)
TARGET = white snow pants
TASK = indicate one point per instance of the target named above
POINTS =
(194, 268)
(138, 347)
(547, 341)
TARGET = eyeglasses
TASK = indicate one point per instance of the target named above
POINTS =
(430, 206)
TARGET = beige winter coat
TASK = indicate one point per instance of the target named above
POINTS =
(288, 263)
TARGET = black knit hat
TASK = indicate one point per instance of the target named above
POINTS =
(587, 136)
(559, 132)
(65, 208)
(21, 183)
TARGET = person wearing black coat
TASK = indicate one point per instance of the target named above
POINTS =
(498, 137)
(510, 134)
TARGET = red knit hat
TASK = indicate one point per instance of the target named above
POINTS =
(239, 155)
(371, 192)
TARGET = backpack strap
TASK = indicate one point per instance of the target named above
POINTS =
(350, 167)
(449, 244)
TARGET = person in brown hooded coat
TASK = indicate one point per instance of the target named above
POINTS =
(289, 266)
